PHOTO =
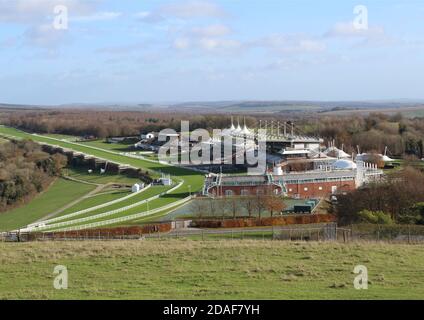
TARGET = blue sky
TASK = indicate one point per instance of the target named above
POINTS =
(191, 50)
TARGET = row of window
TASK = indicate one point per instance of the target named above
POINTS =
(245, 192)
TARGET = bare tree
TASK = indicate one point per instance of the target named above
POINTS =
(233, 205)
(199, 207)
(274, 203)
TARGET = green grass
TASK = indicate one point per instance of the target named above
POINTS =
(97, 178)
(60, 193)
(94, 201)
(62, 136)
(185, 269)
(119, 147)
(142, 196)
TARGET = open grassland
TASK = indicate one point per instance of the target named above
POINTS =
(97, 178)
(59, 194)
(184, 269)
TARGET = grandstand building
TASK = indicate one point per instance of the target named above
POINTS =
(343, 177)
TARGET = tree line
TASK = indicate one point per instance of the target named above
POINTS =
(373, 132)
(235, 206)
(399, 199)
(25, 170)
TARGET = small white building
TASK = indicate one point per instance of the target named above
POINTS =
(166, 180)
(137, 187)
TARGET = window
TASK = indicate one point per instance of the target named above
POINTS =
(319, 188)
(290, 190)
(305, 189)
(229, 193)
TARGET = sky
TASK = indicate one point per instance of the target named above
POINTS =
(141, 51)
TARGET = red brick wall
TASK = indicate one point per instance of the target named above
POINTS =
(251, 189)
(313, 189)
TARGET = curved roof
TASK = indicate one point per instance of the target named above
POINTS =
(344, 164)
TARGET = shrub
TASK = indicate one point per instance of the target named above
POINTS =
(375, 217)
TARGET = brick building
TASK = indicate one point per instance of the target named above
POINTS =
(312, 184)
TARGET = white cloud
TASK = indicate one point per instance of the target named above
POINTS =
(373, 36)
(29, 12)
(98, 16)
(290, 43)
(182, 43)
(44, 36)
(348, 30)
(149, 17)
(219, 44)
(184, 10)
(192, 9)
(216, 30)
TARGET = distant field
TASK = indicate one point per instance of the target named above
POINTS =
(185, 269)
(59, 194)
(409, 112)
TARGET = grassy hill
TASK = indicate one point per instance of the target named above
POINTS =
(179, 269)
(59, 194)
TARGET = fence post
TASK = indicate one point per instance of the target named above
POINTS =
(409, 234)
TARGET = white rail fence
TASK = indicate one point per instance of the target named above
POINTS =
(127, 218)
(77, 213)
(101, 215)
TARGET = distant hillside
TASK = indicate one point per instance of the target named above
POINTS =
(240, 106)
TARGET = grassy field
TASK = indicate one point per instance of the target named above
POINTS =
(184, 269)
(119, 147)
(94, 201)
(59, 194)
(97, 178)
(139, 197)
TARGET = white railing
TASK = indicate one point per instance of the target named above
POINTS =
(101, 215)
(126, 218)
(77, 213)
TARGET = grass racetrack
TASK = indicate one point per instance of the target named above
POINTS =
(184, 269)
(56, 196)
(191, 181)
